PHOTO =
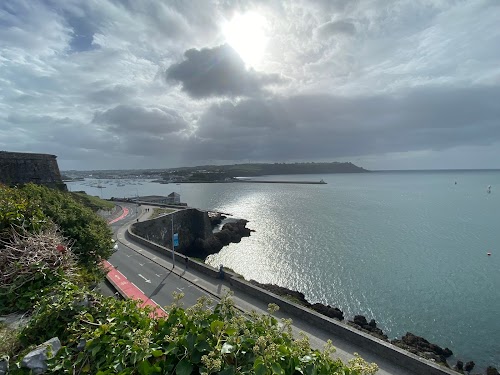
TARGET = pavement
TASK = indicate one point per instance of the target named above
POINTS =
(156, 277)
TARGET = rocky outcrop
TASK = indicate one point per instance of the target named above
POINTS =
(299, 298)
(36, 360)
(215, 218)
(360, 322)
(459, 367)
(469, 366)
(491, 371)
(423, 348)
(4, 366)
(231, 232)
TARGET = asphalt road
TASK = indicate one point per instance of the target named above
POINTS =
(153, 280)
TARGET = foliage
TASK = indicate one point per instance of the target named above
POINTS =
(91, 233)
(94, 203)
(16, 210)
(121, 337)
(30, 262)
(9, 342)
(160, 211)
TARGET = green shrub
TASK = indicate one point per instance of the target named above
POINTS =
(91, 233)
(16, 210)
(94, 203)
(120, 337)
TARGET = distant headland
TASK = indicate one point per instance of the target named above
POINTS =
(218, 173)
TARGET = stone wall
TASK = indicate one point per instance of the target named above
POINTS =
(191, 224)
(21, 168)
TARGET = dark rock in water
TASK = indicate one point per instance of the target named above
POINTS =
(423, 348)
(459, 367)
(329, 311)
(230, 233)
(360, 322)
(298, 297)
(469, 366)
(284, 292)
(491, 371)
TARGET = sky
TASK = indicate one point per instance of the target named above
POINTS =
(108, 84)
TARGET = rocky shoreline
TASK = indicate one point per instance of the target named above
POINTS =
(231, 232)
(409, 342)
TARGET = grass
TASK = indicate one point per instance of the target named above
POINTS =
(9, 343)
(94, 203)
(161, 211)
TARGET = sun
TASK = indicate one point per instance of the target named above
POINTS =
(246, 34)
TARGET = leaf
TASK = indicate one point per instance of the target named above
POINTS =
(157, 353)
(144, 368)
(277, 368)
(95, 350)
(231, 331)
(191, 339)
(216, 326)
(227, 348)
(203, 346)
(86, 368)
(227, 371)
(260, 369)
(89, 317)
(184, 368)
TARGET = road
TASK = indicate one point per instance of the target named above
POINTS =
(153, 274)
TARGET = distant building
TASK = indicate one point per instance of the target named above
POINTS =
(175, 198)
(17, 168)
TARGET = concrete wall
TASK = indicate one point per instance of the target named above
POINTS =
(190, 224)
(22, 168)
(363, 340)
(179, 258)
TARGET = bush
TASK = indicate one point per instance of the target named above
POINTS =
(29, 263)
(110, 336)
(16, 210)
(91, 233)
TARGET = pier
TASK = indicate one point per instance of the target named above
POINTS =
(321, 182)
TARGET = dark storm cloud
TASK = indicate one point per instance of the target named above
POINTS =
(326, 126)
(134, 119)
(217, 71)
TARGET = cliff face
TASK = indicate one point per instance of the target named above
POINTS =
(191, 224)
(21, 168)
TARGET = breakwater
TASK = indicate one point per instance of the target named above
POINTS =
(321, 182)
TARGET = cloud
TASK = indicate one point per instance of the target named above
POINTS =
(130, 81)
(217, 71)
(308, 127)
(134, 119)
(336, 27)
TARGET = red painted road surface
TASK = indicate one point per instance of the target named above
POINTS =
(124, 213)
(127, 288)
(130, 290)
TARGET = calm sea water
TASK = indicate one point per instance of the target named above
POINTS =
(407, 249)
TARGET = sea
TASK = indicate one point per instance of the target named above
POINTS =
(409, 249)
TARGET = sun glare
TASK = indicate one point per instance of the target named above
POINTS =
(246, 34)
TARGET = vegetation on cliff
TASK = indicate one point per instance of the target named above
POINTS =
(45, 236)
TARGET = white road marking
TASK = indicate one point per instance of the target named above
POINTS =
(146, 280)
